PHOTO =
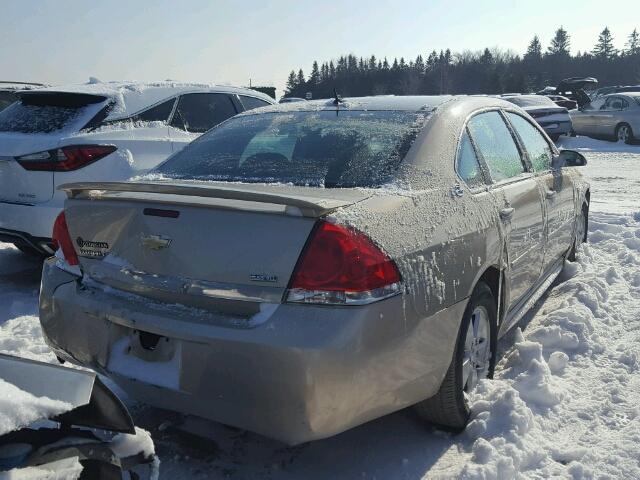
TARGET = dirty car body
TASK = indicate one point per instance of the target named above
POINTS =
(199, 290)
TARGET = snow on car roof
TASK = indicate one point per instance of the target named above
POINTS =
(380, 102)
(132, 97)
(528, 101)
(14, 86)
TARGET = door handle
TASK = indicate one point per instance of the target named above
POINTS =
(507, 213)
(550, 193)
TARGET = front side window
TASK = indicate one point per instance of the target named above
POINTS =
(199, 112)
(318, 148)
(495, 144)
(250, 103)
(467, 163)
(615, 104)
(534, 143)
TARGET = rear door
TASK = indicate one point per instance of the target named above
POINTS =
(31, 129)
(556, 187)
(196, 113)
(516, 192)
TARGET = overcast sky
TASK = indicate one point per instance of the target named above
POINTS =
(262, 40)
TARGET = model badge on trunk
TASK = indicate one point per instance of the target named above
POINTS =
(260, 277)
(90, 248)
(155, 242)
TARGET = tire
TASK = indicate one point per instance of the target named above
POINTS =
(581, 234)
(624, 133)
(449, 408)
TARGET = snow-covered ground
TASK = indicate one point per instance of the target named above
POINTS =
(565, 402)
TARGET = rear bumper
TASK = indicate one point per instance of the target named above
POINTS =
(556, 128)
(305, 373)
(30, 224)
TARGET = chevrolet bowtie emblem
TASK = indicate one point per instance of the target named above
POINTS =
(155, 242)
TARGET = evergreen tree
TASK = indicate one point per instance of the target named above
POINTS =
(314, 78)
(419, 64)
(604, 48)
(300, 80)
(560, 43)
(534, 50)
(385, 64)
(332, 70)
(372, 62)
(292, 82)
(633, 43)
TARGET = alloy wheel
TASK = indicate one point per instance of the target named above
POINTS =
(623, 133)
(477, 349)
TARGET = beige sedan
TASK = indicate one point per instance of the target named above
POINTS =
(302, 269)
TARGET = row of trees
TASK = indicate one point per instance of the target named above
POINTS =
(490, 71)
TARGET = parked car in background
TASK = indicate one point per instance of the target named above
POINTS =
(291, 100)
(575, 88)
(614, 117)
(555, 120)
(9, 91)
(617, 89)
(97, 131)
(572, 88)
(305, 268)
(563, 101)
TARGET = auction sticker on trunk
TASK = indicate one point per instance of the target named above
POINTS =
(92, 248)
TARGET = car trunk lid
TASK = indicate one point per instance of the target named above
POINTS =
(224, 247)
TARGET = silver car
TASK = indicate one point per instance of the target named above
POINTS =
(555, 120)
(302, 269)
(615, 116)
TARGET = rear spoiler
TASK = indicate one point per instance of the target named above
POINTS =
(308, 204)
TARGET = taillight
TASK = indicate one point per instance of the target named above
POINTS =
(62, 240)
(65, 159)
(340, 265)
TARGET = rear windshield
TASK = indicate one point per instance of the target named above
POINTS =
(530, 101)
(46, 113)
(320, 148)
(6, 99)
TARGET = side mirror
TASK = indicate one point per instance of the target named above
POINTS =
(568, 158)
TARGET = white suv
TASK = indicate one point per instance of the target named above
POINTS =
(96, 131)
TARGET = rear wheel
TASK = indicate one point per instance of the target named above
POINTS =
(473, 359)
(582, 225)
(624, 133)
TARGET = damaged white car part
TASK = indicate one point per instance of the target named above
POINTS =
(66, 421)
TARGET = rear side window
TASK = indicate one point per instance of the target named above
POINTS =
(467, 163)
(534, 143)
(49, 112)
(199, 112)
(250, 102)
(6, 99)
(495, 144)
(159, 113)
